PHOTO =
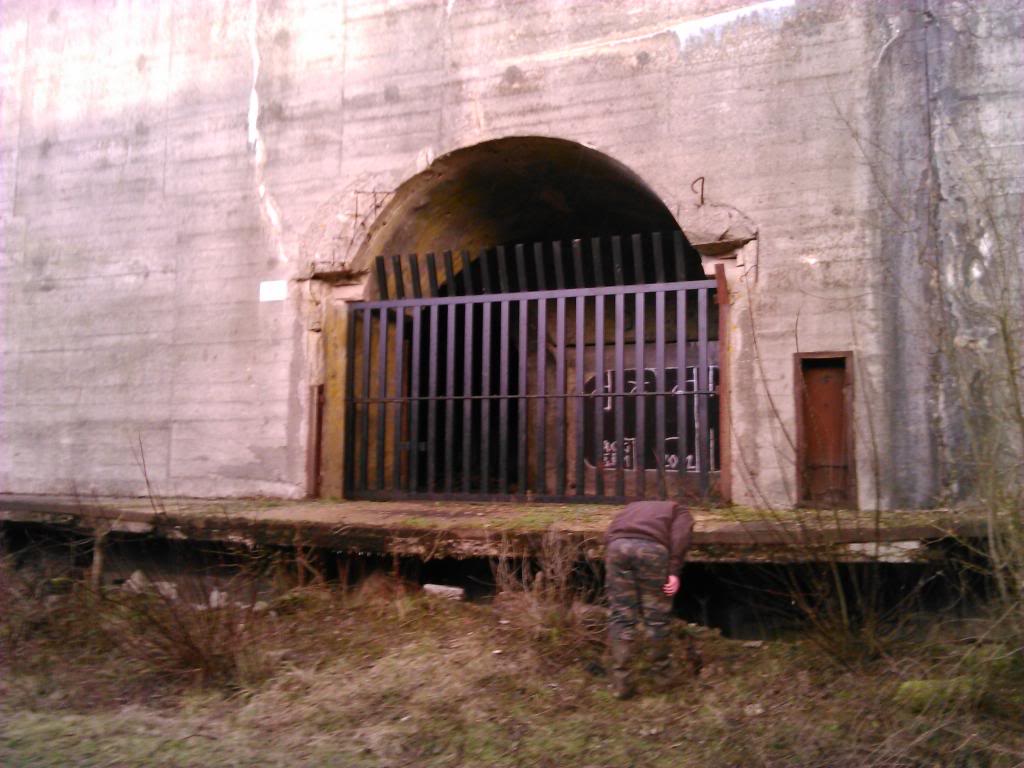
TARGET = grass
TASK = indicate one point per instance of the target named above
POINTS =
(382, 676)
(520, 518)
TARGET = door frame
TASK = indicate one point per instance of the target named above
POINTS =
(848, 392)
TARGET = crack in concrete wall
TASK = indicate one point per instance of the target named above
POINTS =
(268, 206)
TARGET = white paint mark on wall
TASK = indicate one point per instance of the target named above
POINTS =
(273, 290)
(424, 159)
(896, 35)
(478, 113)
(254, 97)
(950, 276)
(695, 28)
(268, 208)
(685, 31)
(985, 247)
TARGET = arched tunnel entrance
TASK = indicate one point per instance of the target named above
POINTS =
(538, 327)
(522, 189)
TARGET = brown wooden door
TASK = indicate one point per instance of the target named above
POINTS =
(825, 454)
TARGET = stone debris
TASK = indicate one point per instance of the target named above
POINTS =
(441, 590)
(139, 583)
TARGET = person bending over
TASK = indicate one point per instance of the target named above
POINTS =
(646, 544)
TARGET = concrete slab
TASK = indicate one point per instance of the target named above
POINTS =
(464, 529)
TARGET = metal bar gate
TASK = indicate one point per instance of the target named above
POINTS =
(583, 393)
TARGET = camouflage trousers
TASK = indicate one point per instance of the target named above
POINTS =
(635, 572)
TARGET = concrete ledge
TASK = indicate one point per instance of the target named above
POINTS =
(462, 530)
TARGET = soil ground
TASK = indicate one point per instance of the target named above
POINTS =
(382, 675)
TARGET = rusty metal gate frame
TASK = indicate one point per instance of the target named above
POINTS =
(394, 407)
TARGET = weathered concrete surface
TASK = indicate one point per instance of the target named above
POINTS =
(134, 343)
(976, 186)
(160, 160)
(491, 530)
(948, 127)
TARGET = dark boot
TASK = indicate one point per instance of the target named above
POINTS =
(621, 677)
(694, 656)
(661, 664)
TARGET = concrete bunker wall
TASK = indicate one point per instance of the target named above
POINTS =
(150, 190)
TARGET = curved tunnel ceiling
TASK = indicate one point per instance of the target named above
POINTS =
(518, 190)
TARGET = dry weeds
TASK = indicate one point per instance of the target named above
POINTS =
(382, 676)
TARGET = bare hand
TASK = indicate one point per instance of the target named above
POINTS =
(671, 586)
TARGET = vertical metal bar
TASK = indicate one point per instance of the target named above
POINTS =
(538, 265)
(485, 403)
(640, 276)
(503, 401)
(467, 273)
(680, 260)
(396, 469)
(364, 443)
(556, 255)
(348, 440)
(522, 285)
(502, 270)
(577, 264)
(449, 273)
(396, 267)
(659, 257)
(618, 403)
(449, 403)
(599, 401)
(523, 404)
(414, 275)
(560, 391)
(659, 373)
(703, 428)
(431, 402)
(542, 374)
(382, 393)
(414, 403)
(640, 366)
(382, 277)
(432, 286)
(595, 257)
(467, 395)
(485, 271)
(617, 260)
(581, 312)
(682, 427)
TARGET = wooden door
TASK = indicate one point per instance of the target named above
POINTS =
(825, 439)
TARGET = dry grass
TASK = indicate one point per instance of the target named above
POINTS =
(383, 676)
